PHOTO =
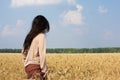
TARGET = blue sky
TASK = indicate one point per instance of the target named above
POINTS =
(74, 23)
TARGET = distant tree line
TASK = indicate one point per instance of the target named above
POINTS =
(10, 50)
(70, 50)
(84, 50)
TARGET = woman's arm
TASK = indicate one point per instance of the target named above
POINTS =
(42, 54)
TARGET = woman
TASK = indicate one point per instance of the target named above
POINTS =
(34, 49)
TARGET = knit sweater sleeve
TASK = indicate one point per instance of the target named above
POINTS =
(42, 53)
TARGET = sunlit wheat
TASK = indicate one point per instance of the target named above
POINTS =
(66, 66)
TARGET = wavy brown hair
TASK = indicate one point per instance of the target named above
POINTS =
(39, 25)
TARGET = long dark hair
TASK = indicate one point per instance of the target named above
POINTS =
(39, 25)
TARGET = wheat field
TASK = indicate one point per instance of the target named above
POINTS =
(66, 66)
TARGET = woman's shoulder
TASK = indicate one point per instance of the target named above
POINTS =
(39, 36)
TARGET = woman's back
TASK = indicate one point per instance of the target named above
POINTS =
(33, 52)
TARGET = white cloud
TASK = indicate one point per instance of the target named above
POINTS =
(73, 16)
(20, 3)
(102, 9)
(12, 30)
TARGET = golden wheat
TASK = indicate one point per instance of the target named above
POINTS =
(66, 66)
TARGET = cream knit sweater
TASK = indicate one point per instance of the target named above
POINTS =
(37, 53)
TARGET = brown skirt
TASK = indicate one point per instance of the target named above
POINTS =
(34, 72)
